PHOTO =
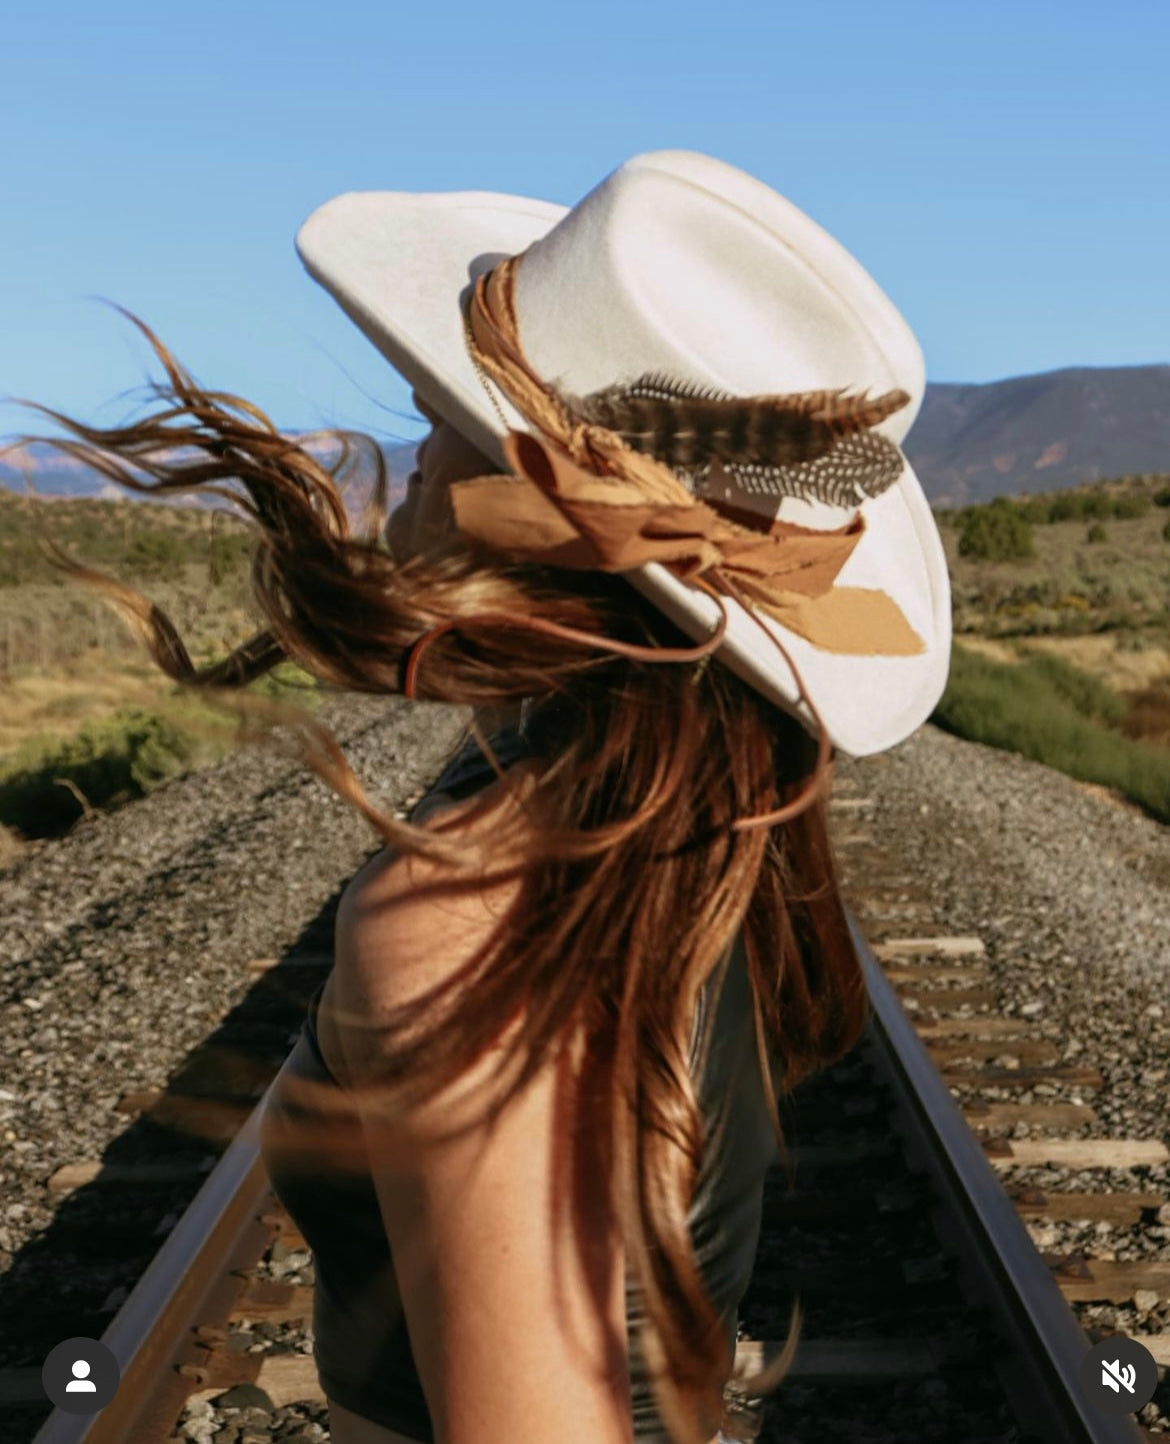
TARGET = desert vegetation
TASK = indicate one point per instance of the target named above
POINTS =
(191, 560)
(1062, 643)
(1061, 609)
(86, 719)
(1046, 708)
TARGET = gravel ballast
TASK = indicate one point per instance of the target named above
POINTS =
(125, 943)
(1068, 887)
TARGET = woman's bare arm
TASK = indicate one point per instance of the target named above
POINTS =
(516, 1318)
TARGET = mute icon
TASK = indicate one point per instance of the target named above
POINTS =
(1119, 1375)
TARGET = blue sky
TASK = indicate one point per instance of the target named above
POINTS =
(1002, 169)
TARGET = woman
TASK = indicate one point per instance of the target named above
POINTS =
(526, 1126)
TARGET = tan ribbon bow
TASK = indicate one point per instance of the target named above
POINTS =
(580, 497)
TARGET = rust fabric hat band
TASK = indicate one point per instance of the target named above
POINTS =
(580, 497)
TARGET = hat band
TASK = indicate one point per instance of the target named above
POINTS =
(581, 497)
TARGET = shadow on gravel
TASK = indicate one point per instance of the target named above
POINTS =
(114, 1213)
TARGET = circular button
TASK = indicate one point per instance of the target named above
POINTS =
(80, 1376)
(1119, 1375)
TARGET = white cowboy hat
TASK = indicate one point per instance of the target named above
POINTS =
(682, 265)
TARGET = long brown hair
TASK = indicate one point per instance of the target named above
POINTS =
(645, 766)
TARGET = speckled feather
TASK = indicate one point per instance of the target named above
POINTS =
(814, 444)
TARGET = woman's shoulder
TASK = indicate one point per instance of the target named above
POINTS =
(466, 788)
(403, 903)
(406, 924)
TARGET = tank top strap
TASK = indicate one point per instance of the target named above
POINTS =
(469, 769)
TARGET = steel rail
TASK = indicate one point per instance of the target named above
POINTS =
(1027, 1303)
(190, 1280)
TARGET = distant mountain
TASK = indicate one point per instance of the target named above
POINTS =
(1041, 433)
(55, 475)
(970, 442)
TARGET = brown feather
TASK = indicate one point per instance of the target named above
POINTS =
(812, 444)
(857, 468)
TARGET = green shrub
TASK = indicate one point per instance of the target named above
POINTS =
(1130, 508)
(1091, 504)
(1035, 510)
(227, 556)
(996, 532)
(1017, 708)
(1080, 506)
(1096, 533)
(20, 561)
(108, 762)
(287, 682)
(157, 553)
(1166, 532)
(1068, 506)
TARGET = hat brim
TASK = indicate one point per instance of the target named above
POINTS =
(399, 264)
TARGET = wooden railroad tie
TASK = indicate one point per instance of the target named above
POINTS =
(292, 1378)
(1116, 1208)
(216, 1119)
(843, 1360)
(873, 915)
(284, 1228)
(275, 1303)
(985, 1116)
(932, 976)
(977, 1027)
(258, 966)
(892, 948)
(76, 1175)
(850, 804)
(948, 1000)
(988, 1050)
(289, 1379)
(1077, 1152)
(1073, 1075)
(1107, 1281)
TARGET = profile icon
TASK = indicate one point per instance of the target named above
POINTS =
(79, 1384)
(80, 1376)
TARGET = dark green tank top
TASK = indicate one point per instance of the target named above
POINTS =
(361, 1345)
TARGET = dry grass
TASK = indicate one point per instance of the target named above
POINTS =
(993, 648)
(1109, 656)
(66, 661)
(54, 705)
(193, 564)
(11, 846)
(65, 658)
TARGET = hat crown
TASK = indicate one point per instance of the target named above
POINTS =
(679, 263)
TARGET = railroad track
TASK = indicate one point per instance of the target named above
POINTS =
(928, 1308)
